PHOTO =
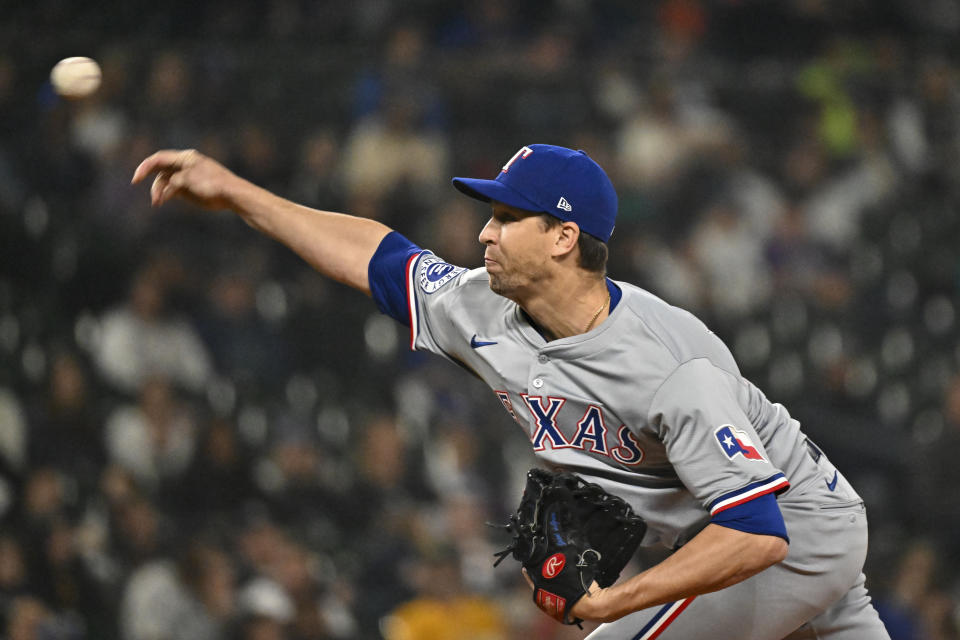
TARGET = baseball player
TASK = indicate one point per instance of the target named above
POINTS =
(612, 383)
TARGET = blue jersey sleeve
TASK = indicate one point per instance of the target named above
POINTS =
(387, 274)
(760, 515)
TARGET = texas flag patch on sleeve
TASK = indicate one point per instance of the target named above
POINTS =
(735, 442)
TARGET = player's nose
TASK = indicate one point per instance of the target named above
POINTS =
(487, 234)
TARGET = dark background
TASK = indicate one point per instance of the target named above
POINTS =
(190, 416)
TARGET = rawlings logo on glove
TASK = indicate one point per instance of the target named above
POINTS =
(568, 533)
(553, 566)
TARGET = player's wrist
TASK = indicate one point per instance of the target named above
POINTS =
(595, 606)
(255, 205)
(239, 194)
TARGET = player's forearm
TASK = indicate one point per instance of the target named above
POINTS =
(716, 558)
(337, 245)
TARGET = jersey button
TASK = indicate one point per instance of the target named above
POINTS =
(543, 359)
(538, 382)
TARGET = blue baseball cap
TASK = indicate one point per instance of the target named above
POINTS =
(545, 178)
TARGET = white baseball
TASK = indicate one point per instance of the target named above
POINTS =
(76, 77)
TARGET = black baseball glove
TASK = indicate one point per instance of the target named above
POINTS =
(568, 533)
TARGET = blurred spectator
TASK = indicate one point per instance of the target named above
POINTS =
(934, 465)
(826, 81)
(730, 256)
(658, 143)
(388, 476)
(169, 99)
(453, 460)
(13, 444)
(155, 439)
(266, 611)
(671, 272)
(243, 345)
(140, 338)
(14, 572)
(938, 97)
(758, 198)
(13, 436)
(465, 516)
(549, 100)
(30, 619)
(801, 263)
(290, 474)
(487, 25)
(385, 518)
(294, 594)
(315, 181)
(388, 152)
(836, 205)
(66, 425)
(397, 141)
(441, 598)
(916, 608)
(190, 599)
(218, 480)
(66, 581)
(140, 532)
(257, 156)
(47, 495)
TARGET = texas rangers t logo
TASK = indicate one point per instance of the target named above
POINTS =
(735, 442)
(523, 153)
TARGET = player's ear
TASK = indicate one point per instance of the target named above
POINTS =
(567, 235)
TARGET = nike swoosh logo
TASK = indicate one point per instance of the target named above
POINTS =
(833, 483)
(479, 343)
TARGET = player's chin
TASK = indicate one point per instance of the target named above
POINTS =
(498, 283)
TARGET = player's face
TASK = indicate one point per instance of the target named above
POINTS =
(517, 255)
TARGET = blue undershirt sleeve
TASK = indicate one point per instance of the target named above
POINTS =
(387, 275)
(760, 515)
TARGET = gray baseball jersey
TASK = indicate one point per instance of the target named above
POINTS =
(651, 405)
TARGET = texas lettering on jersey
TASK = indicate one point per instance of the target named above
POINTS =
(591, 433)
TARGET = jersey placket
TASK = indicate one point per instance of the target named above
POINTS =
(544, 407)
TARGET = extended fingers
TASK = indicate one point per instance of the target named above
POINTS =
(158, 187)
(166, 160)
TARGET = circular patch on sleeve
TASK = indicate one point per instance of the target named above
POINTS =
(433, 273)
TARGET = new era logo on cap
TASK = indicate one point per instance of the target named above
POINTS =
(546, 178)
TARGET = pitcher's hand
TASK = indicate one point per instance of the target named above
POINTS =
(589, 608)
(190, 175)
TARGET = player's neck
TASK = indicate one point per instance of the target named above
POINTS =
(569, 308)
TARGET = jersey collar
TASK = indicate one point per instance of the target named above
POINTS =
(534, 335)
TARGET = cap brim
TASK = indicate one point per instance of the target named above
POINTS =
(487, 190)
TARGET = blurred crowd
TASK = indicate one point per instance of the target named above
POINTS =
(200, 438)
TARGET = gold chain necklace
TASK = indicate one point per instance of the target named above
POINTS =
(598, 312)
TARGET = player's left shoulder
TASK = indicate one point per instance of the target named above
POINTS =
(658, 314)
(679, 331)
